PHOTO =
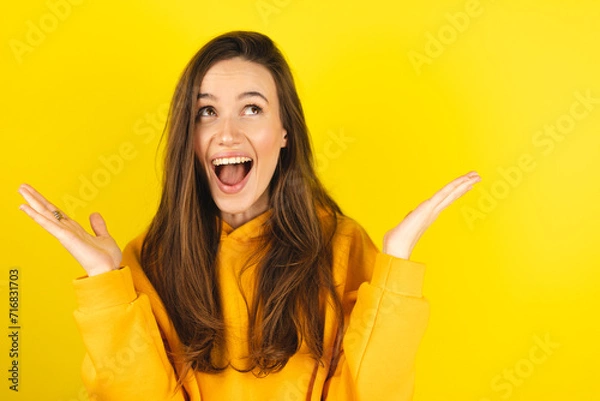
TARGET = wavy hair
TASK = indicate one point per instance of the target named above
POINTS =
(294, 279)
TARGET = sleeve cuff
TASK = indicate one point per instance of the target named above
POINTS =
(397, 275)
(104, 290)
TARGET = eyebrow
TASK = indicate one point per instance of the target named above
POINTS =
(241, 96)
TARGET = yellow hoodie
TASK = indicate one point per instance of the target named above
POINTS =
(127, 333)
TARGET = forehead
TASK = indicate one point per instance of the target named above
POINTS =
(237, 75)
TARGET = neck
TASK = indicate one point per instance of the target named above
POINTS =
(236, 220)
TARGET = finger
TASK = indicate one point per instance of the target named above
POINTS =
(49, 224)
(449, 193)
(443, 193)
(36, 200)
(33, 202)
(461, 188)
(456, 193)
(38, 196)
(98, 225)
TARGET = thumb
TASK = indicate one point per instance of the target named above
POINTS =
(98, 225)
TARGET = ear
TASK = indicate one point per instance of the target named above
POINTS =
(284, 139)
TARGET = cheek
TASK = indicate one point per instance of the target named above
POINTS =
(268, 147)
(270, 138)
(200, 147)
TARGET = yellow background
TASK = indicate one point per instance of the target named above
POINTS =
(388, 133)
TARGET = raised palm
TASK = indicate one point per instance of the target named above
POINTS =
(401, 240)
(97, 254)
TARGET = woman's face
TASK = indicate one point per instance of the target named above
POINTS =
(238, 136)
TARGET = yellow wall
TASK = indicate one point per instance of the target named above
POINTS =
(400, 99)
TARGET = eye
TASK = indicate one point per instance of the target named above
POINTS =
(206, 111)
(252, 109)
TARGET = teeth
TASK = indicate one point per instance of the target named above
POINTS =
(230, 160)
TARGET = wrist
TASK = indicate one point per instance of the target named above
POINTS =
(398, 252)
(100, 270)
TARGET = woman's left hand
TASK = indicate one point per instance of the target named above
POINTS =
(401, 240)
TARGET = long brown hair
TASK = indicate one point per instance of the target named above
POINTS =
(294, 279)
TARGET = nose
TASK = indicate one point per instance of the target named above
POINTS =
(228, 134)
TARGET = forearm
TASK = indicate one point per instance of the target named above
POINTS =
(385, 329)
(126, 358)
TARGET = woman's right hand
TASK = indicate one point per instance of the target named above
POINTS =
(97, 254)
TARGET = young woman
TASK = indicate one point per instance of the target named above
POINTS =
(250, 283)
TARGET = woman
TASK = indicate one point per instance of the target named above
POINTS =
(250, 283)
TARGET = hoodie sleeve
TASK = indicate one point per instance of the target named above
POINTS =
(385, 325)
(125, 356)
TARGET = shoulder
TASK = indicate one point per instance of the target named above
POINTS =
(350, 235)
(132, 258)
(354, 252)
(348, 226)
(354, 255)
(133, 251)
(345, 226)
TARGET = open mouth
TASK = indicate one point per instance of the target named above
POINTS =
(231, 171)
